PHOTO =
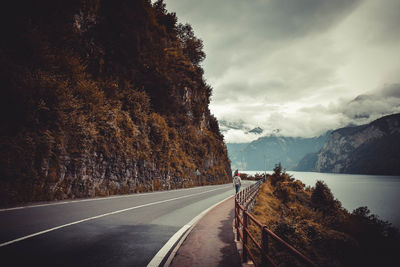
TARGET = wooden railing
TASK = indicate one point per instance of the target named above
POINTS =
(243, 201)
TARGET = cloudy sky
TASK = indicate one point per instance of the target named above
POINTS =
(299, 67)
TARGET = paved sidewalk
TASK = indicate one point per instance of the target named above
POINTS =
(211, 241)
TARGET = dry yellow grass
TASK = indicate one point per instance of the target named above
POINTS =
(315, 224)
(266, 212)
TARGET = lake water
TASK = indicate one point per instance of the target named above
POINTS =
(381, 194)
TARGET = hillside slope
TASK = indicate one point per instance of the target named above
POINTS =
(102, 97)
(316, 224)
(367, 149)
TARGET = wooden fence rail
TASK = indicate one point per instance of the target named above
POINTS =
(243, 200)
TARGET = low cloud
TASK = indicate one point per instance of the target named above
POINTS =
(302, 67)
(239, 136)
(309, 121)
(366, 108)
(390, 90)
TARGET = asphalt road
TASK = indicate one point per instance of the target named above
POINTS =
(115, 231)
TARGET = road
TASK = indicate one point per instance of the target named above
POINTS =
(115, 231)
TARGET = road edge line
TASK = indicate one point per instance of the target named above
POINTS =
(101, 216)
(167, 253)
(73, 201)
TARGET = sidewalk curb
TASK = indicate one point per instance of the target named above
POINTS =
(167, 253)
(239, 248)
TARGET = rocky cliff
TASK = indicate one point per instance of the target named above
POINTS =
(101, 98)
(367, 149)
(307, 163)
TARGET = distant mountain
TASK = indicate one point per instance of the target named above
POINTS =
(234, 153)
(307, 163)
(239, 125)
(236, 125)
(256, 130)
(265, 152)
(373, 148)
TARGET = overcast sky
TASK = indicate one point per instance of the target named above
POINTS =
(300, 66)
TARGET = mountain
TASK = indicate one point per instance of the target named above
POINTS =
(256, 130)
(373, 148)
(102, 97)
(307, 163)
(235, 153)
(236, 125)
(265, 152)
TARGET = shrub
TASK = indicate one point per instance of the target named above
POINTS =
(284, 230)
(274, 179)
(317, 225)
(282, 177)
(322, 198)
(278, 169)
(243, 176)
(284, 191)
(298, 185)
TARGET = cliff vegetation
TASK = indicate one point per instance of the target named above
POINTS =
(315, 223)
(100, 98)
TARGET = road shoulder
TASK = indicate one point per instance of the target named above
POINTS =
(211, 241)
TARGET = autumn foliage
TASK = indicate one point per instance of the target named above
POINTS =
(316, 224)
(102, 97)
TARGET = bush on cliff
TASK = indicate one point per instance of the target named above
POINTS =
(316, 224)
(102, 97)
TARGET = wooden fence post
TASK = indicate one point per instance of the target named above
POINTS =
(237, 225)
(264, 246)
(245, 221)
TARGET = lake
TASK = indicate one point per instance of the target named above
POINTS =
(381, 194)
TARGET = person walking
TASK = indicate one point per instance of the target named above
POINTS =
(237, 182)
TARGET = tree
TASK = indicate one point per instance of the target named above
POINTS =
(191, 45)
(322, 198)
(278, 169)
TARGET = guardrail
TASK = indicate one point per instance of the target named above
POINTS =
(243, 200)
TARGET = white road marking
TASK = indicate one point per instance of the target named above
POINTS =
(103, 215)
(162, 253)
(16, 208)
(96, 199)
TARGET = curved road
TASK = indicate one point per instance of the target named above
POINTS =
(123, 230)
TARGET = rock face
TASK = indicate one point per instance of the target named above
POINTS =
(367, 149)
(307, 163)
(101, 98)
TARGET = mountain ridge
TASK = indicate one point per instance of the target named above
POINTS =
(274, 149)
(371, 148)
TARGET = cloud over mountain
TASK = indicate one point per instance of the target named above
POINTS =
(298, 66)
